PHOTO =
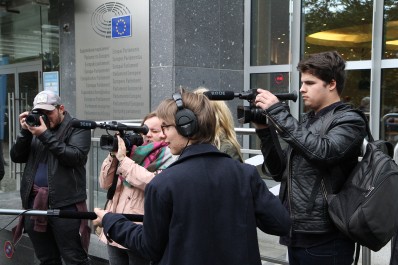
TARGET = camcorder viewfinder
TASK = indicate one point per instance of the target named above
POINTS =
(33, 118)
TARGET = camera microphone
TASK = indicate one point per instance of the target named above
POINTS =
(84, 124)
(221, 95)
(248, 95)
(115, 126)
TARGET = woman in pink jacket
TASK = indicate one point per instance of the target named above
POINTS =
(133, 173)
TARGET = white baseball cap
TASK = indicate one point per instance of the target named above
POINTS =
(46, 100)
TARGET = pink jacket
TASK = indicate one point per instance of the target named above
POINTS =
(127, 199)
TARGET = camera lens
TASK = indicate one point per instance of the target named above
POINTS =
(33, 119)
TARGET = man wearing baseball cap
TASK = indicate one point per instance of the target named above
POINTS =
(54, 177)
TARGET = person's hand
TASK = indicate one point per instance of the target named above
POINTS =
(265, 99)
(100, 215)
(22, 120)
(121, 151)
(37, 130)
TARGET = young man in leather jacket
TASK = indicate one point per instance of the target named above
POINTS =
(54, 178)
(313, 238)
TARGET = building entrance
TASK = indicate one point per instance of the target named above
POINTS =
(19, 83)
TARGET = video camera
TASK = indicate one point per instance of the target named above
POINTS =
(250, 113)
(110, 142)
(33, 118)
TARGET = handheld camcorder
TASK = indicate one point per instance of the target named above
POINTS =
(33, 119)
(110, 142)
(249, 113)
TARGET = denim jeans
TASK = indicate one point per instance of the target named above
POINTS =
(119, 256)
(335, 252)
(61, 239)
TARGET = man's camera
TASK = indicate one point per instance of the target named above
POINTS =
(250, 113)
(33, 119)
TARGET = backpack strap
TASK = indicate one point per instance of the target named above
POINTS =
(327, 122)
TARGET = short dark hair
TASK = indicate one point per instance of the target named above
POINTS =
(326, 66)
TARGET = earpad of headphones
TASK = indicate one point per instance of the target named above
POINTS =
(186, 122)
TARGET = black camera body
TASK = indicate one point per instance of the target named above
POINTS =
(110, 142)
(33, 119)
(252, 113)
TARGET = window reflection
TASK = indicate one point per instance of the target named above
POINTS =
(390, 43)
(389, 105)
(274, 82)
(357, 89)
(32, 33)
(269, 32)
(326, 27)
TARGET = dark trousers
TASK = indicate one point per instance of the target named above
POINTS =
(335, 252)
(119, 256)
(61, 239)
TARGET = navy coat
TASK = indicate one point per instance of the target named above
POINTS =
(203, 209)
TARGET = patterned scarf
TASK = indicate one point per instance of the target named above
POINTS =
(153, 156)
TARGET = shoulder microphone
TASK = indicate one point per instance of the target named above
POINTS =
(114, 126)
(248, 95)
(221, 95)
(84, 124)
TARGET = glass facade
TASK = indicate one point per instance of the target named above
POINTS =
(365, 34)
(390, 30)
(342, 25)
(269, 41)
(30, 31)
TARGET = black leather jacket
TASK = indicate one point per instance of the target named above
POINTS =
(305, 153)
(66, 149)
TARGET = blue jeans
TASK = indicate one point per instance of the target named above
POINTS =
(335, 252)
(61, 239)
(119, 256)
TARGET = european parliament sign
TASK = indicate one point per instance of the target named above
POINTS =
(112, 59)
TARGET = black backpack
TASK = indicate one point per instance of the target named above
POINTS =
(366, 208)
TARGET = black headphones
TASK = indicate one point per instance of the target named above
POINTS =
(186, 122)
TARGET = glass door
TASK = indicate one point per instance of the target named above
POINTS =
(19, 83)
(7, 85)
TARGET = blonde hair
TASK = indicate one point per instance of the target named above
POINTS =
(225, 123)
(148, 116)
